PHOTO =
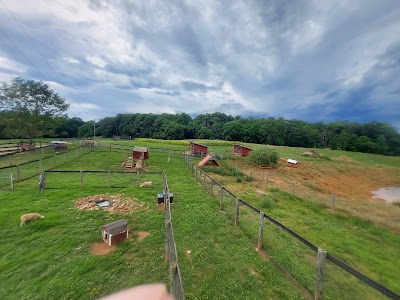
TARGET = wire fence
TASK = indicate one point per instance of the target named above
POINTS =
(29, 169)
(294, 253)
(170, 247)
(67, 179)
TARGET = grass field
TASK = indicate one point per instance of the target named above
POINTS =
(51, 258)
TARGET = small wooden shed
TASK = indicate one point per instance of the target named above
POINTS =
(241, 150)
(209, 161)
(115, 232)
(140, 153)
(197, 149)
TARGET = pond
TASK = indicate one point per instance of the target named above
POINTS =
(389, 194)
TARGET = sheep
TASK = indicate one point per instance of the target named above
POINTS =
(29, 217)
(146, 184)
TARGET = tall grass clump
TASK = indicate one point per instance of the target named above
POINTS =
(264, 156)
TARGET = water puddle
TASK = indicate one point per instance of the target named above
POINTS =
(389, 194)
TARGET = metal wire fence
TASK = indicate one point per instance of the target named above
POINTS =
(298, 257)
(29, 169)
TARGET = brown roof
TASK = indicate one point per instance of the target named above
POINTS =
(209, 157)
(198, 144)
(242, 146)
(140, 149)
(116, 227)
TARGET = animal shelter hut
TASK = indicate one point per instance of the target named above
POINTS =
(141, 153)
(241, 150)
(115, 232)
(197, 149)
(209, 161)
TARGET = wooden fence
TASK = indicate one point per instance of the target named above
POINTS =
(209, 184)
(170, 247)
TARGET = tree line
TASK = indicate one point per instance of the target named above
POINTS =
(31, 109)
(371, 137)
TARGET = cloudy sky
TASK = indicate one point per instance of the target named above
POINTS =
(309, 60)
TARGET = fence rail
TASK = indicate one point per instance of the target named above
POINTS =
(321, 254)
(170, 247)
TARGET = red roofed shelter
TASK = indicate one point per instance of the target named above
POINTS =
(241, 150)
(197, 149)
(209, 161)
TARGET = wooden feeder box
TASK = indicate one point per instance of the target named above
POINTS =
(115, 232)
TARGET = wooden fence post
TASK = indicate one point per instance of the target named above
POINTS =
(260, 231)
(18, 173)
(237, 212)
(81, 172)
(333, 200)
(221, 206)
(12, 182)
(321, 256)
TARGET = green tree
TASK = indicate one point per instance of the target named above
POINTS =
(34, 109)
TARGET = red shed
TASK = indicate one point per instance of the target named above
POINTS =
(197, 149)
(140, 153)
(115, 232)
(241, 150)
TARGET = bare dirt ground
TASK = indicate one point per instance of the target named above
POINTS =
(118, 203)
(351, 183)
(101, 248)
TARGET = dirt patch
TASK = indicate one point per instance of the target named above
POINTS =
(117, 203)
(142, 235)
(101, 248)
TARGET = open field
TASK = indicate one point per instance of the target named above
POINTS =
(50, 258)
(209, 246)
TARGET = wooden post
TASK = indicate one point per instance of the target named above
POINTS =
(333, 200)
(237, 212)
(221, 206)
(260, 231)
(81, 172)
(321, 256)
(109, 179)
(12, 182)
(137, 180)
(18, 173)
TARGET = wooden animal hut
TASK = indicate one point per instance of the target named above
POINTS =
(209, 161)
(241, 150)
(197, 149)
(140, 153)
(115, 232)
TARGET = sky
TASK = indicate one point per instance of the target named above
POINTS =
(303, 59)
